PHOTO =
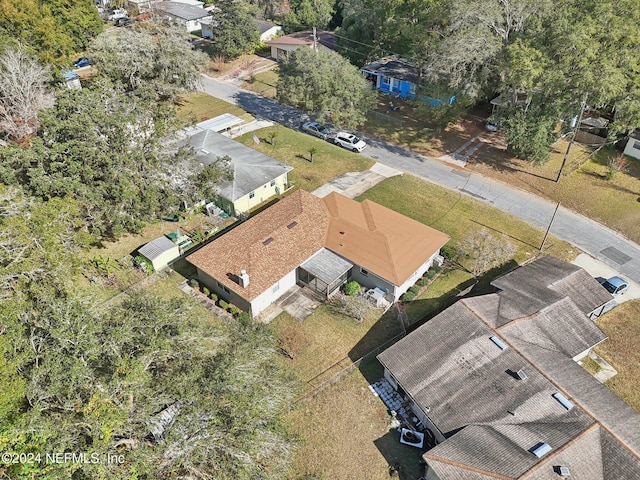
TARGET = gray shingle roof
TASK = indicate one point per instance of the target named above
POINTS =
(182, 10)
(395, 69)
(251, 169)
(453, 371)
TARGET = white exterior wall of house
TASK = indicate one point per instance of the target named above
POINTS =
(281, 51)
(273, 293)
(261, 194)
(271, 33)
(371, 280)
(227, 295)
(189, 25)
(632, 148)
(414, 278)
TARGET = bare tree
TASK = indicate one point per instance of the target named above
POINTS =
(355, 307)
(481, 251)
(23, 93)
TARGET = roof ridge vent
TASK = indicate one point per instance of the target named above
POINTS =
(521, 374)
(541, 449)
(498, 341)
(562, 470)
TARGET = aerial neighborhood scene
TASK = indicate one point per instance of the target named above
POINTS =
(319, 240)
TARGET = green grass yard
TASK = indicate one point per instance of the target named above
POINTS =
(293, 148)
(199, 106)
(263, 83)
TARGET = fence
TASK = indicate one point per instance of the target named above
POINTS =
(386, 118)
(589, 138)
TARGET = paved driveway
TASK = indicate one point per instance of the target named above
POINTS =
(600, 242)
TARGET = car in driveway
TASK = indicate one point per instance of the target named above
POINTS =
(349, 141)
(615, 285)
(316, 129)
(123, 22)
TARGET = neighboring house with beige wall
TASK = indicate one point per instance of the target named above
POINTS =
(282, 46)
(317, 243)
(256, 176)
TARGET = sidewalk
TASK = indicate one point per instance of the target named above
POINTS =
(597, 240)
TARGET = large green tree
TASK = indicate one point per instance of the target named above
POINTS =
(55, 29)
(327, 85)
(235, 31)
(154, 60)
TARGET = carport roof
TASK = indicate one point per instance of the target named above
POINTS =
(327, 266)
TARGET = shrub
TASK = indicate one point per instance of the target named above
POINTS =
(194, 283)
(206, 291)
(424, 281)
(223, 305)
(352, 288)
(431, 274)
(231, 308)
(143, 264)
(407, 297)
(244, 318)
(414, 289)
(448, 252)
(235, 311)
(213, 297)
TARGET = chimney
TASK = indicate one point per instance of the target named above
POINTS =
(243, 279)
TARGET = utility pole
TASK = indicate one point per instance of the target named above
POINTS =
(573, 136)
(549, 227)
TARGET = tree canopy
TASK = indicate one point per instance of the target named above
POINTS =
(235, 31)
(326, 84)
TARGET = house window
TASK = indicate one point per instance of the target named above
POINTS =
(252, 194)
(412, 89)
(385, 80)
(224, 288)
(273, 183)
(364, 272)
(275, 288)
(636, 145)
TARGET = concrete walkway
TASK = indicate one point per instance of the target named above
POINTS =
(352, 184)
(599, 241)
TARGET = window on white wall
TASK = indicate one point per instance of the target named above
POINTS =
(636, 145)
(364, 272)
(275, 288)
(273, 183)
(252, 194)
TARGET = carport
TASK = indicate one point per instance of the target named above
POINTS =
(324, 273)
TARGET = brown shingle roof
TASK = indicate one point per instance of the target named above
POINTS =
(378, 239)
(244, 247)
(328, 39)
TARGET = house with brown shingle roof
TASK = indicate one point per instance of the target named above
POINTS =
(495, 380)
(318, 243)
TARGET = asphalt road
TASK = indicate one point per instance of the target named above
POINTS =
(597, 240)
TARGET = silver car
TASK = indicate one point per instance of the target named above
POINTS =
(616, 285)
(316, 129)
(349, 141)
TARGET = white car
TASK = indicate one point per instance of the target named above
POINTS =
(118, 13)
(349, 141)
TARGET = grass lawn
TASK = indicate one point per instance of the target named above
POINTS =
(326, 338)
(615, 203)
(457, 215)
(345, 434)
(292, 147)
(263, 83)
(622, 325)
(197, 107)
(411, 128)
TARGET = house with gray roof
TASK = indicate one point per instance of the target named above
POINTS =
(256, 177)
(495, 379)
(185, 14)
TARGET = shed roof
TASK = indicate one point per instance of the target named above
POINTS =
(157, 247)
(251, 169)
(264, 26)
(220, 123)
(327, 266)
